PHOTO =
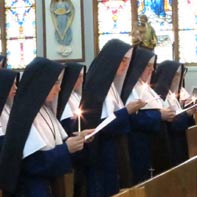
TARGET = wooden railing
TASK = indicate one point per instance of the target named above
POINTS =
(180, 181)
(132, 192)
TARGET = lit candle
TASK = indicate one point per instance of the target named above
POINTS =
(78, 112)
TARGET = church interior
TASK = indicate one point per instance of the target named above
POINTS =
(77, 33)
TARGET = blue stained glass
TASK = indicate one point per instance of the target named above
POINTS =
(20, 52)
(19, 3)
(25, 28)
(20, 32)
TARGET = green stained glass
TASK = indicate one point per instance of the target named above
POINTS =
(111, 14)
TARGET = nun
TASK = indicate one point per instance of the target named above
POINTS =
(67, 107)
(168, 82)
(70, 96)
(148, 123)
(36, 148)
(8, 89)
(100, 99)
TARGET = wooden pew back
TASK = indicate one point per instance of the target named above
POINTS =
(192, 140)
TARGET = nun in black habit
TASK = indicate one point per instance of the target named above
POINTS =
(70, 96)
(8, 89)
(68, 104)
(168, 81)
(147, 124)
(99, 100)
(36, 148)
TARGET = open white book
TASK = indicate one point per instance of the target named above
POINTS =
(186, 109)
(153, 103)
(101, 125)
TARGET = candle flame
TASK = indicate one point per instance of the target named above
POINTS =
(78, 112)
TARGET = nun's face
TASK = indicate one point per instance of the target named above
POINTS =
(123, 66)
(124, 63)
(175, 82)
(146, 75)
(13, 89)
(54, 91)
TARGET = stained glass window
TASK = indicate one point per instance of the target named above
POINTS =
(20, 32)
(187, 30)
(114, 20)
(1, 11)
(0, 42)
(159, 14)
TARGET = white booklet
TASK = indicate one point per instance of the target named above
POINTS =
(186, 109)
(101, 125)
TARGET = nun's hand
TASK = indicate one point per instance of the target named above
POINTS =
(87, 132)
(75, 143)
(134, 106)
(84, 133)
(192, 111)
(168, 114)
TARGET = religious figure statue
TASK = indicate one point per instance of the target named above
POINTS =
(62, 13)
(143, 34)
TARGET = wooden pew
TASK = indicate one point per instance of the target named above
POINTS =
(192, 140)
(131, 192)
(69, 184)
(180, 181)
(63, 186)
(137, 192)
(195, 117)
(123, 193)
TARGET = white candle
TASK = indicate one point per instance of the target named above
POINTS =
(78, 112)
